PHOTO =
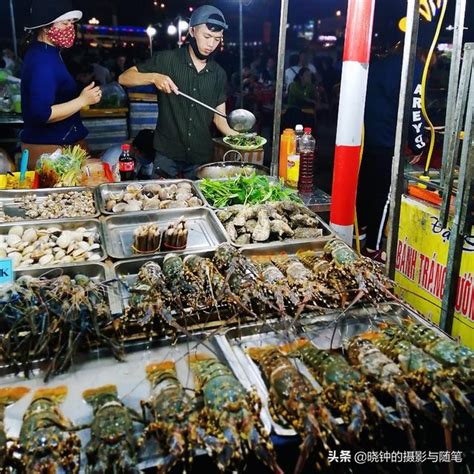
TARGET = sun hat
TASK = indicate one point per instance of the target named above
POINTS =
(46, 12)
(207, 14)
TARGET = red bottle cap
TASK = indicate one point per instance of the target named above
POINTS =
(126, 147)
(307, 130)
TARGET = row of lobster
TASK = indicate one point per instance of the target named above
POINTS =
(52, 319)
(386, 378)
(221, 418)
(256, 288)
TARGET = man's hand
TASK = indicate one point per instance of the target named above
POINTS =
(165, 84)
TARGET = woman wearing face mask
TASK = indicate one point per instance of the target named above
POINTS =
(49, 96)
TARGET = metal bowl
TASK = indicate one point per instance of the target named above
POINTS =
(230, 169)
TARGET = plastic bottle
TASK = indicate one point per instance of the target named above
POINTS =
(299, 133)
(126, 164)
(287, 147)
(307, 146)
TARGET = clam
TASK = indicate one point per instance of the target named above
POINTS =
(16, 258)
(27, 261)
(67, 259)
(165, 204)
(78, 252)
(110, 205)
(84, 245)
(153, 203)
(59, 254)
(16, 230)
(46, 259)
(30, 235)
(65, 239)
(94, 247)
(13, 239)
(95, 257)
(78, 235)
(3, 253)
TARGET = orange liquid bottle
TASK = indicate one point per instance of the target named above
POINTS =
(287, 147)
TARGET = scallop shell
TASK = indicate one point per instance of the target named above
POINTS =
(30, 235)
(16, 230)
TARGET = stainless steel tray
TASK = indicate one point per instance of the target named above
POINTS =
(205, 230)
(103, 189)
(63, 224)
(129, 377)
(126, 271)
(10, 208)
(289, 247)
(97, 272)
(280, 244)
(197, 184)
(324, 332)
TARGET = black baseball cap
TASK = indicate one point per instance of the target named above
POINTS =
(209, 15)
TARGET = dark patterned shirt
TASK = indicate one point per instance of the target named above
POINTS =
(183, 127)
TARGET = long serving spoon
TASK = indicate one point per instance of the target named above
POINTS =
(240, 120)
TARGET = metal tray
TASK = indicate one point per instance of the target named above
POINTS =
(325, 333)
(10, 208)
(97, 272)
(129, 377)
(63, 224)
(280, 244)
(103, 189)
(289, 247)
(205, 230)
(126, 271)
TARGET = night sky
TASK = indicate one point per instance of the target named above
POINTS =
(144, 12)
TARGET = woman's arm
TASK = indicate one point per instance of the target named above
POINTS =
(90, 95)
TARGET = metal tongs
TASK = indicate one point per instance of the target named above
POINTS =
(240, 120)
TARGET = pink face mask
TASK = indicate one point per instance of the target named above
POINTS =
(62, 38)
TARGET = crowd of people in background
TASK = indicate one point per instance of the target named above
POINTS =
(310, 81)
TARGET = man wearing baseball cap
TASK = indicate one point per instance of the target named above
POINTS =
(182, 137)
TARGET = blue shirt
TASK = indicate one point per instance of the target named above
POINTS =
(45, 81)
(381, 104)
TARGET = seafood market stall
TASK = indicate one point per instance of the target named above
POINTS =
(159, 314)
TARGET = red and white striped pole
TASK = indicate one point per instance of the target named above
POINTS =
(350, 119)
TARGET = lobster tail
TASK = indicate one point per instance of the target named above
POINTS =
(90, 394)
(9, 395)
(57, 394)
(153, 369)
(295, 346)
